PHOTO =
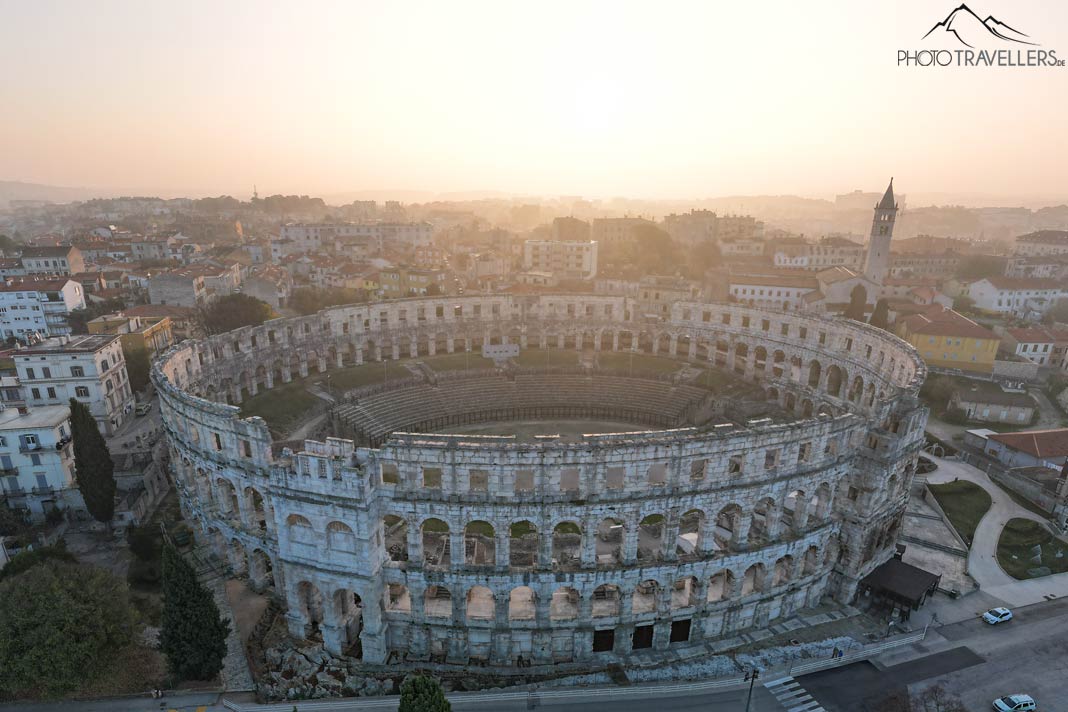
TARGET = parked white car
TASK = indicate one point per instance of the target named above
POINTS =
(1015, 703)
(997, 615)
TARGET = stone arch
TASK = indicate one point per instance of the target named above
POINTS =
(228, 497)
(606, 601)
(480, 544)
(257, 509)
(720, 586)
(814, 373)
(783, 571)
(778, 359)
(522, 545)
(564, 605)
(339, 537)
(760, 358)
(835, 376)
(690, 542)
(348, 612)
(856, 390)
(685, 592)
(763, 526)
(398, 600)
(310, 603)
(567, 546)
(436, 544)
(481, 605)
(753, 579)
(300, 530)
(810, 563)
(806, 408)
(820, 505)
(793, 509)
(522, 605)
(651, 538)
(395, 537)
(645, 597)
(437, 602)
(725, 533)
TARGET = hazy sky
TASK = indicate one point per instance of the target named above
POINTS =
(651, 99)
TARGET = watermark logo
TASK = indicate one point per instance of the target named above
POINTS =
(986, 42)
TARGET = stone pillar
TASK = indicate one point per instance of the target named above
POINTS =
(373, 636)
(457, 553)
(321, 365)
(413, 348)
(432, 347)
(670, 531)
(253, 388)
(673, 346)
(287, 375)
(545, 549)
(523, 341)
(333, 638)
(396, 351)
(630, 544)
(693, 348)
(270, 380)
(615, 341)
(741, 532)
(450, 344)
(543, 341)
(542, 649)
(415, 545)
(589, 546)
(359, 355)
(303, 368)
(597, 341)
(502, 547)
(800, 514)
(236, 395)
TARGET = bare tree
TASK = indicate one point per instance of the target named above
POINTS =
(937, 699)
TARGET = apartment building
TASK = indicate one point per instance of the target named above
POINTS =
(37, 460)
(566, 259)
(178, 287)
(38, 307)
(90, 368)
(1021, 297)
(1043, 242)
(65, 259)
(403, 282)
(948, 339)
(136, 332)
(617, 232)
(816, 256)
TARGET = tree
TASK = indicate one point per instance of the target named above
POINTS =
(880, 316)
(979, 266)
(234, 311)
(192, 634)
(858, 300)
(309, 300)
(433, 289)
(421, 693)
(137, 367)
(60, 624)
(28, 558)
(93, 468)
(964, 305)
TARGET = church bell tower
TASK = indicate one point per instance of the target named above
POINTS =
(877, 261)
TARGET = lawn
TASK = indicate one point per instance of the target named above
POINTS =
(458, 362)
(964, 504)
(639, 362)
(282, 406)
(1017, 542)
(539, 358)
(716, 378)
(365, 375)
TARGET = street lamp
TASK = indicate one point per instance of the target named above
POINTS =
(750, 677)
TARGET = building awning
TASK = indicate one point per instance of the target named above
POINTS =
(901, 582)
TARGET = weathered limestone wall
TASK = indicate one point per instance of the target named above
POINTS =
(459, 548)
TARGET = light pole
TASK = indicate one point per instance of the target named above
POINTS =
(751, 677)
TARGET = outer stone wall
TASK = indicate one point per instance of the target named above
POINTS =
(464, 548)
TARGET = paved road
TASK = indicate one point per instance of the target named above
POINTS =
(982, 561)
(971, 659)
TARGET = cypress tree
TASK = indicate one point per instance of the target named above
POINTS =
(858, 299)
(420, 693)
(880, 316)
(192, 634)
(93, 468)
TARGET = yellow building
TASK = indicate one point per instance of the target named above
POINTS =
(136, 332)
(404, 282)
(946, 339)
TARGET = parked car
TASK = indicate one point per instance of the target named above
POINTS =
(143, 408)
(997, 615)
(1015, 703)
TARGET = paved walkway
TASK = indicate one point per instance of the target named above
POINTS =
(982, 561)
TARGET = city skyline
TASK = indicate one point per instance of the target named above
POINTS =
(477, 98)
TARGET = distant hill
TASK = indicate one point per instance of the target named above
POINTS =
(17, 190)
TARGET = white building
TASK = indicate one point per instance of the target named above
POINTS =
(38, 307)
(65, 259)
(574, 259)
(782, 292)
(1038, 344)
(1043, 242)
(37, 460)
(828, 252)
(312, 237)
(90, 368)
(1023, 298)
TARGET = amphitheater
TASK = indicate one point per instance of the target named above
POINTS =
(413, 535)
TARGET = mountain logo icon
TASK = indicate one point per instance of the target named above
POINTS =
(969, 29)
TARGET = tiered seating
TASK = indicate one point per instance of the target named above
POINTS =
(528, 396)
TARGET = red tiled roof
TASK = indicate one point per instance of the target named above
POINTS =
(936, 320)
(1039, 443)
